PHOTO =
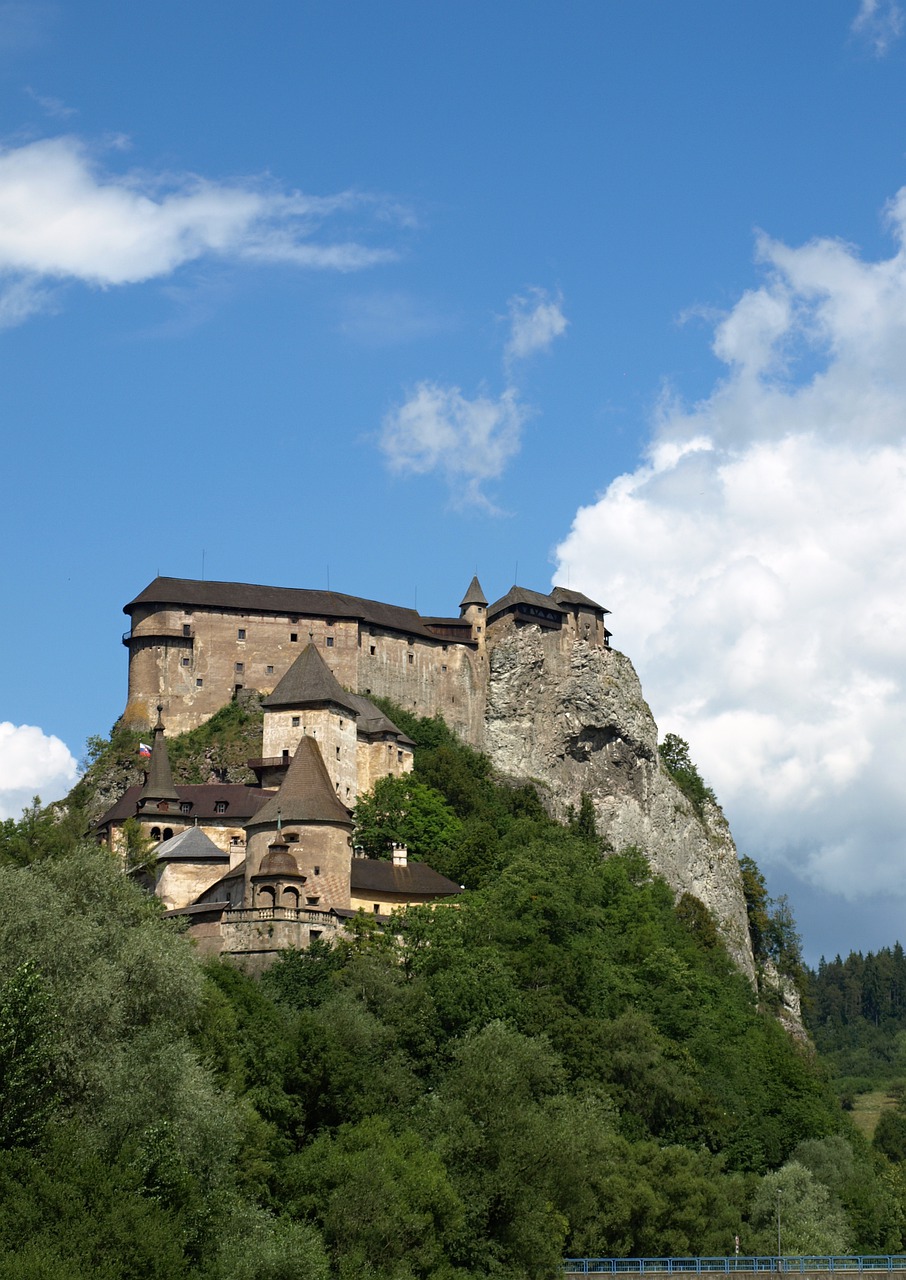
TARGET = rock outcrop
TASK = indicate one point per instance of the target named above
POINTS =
(573, 718)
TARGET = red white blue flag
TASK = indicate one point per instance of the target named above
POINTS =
(144, 749)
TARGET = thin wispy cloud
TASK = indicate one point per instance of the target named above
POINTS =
(55, 108)
(64, 218)
(470, 442)
(880, 23)
(536, 319)
(756, 563)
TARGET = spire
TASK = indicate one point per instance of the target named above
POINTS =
(309, 683)
(159, 782)
(306, 795)
(474, 595)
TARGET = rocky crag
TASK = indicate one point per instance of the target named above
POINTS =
(573, 720)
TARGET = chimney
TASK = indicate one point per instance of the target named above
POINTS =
(400, 855)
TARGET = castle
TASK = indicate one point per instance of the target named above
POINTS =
(255, 869)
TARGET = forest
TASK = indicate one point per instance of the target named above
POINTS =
(564, 1063)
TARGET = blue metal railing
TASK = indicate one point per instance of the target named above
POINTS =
(698, 1266)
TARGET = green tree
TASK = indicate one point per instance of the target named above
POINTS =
(28, 1092)
(674, 753)
(405, 811)
(811, 1219)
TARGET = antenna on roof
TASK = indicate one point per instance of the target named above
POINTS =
(516, 574)
(416, 599)
(328, 577)
(202, 564)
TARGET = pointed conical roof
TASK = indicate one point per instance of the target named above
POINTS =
(474, 595)
(306, 795)
(308, 683)
(159, 782)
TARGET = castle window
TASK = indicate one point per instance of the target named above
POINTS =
(338, 753)
(269, 670)
(185, 806)
(317, 871)
(293, 636)
(443, 666)
(341, 724)
(220, 806)
(240, 666)
(377, 908)
(399, 755)
(186, 662)
(478, 628)
(199, 683)
(312, 902)
(371, 647)
(240, 634)
(186, 629)
(411, 658)
(330, 642)
(297, 720)
(155, 833)
(314, 935)
(168, 833)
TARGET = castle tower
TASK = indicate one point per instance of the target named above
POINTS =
(158, 804)
(474, 607)
(309, 701)
(307, 816)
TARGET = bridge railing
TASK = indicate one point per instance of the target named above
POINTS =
(737, 1262)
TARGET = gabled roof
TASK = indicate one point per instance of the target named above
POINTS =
(309, 683)
(241, 802)
(521, 595)
(474, 594)
(373, 721)
(306, 795)
(415, 878)
(248, 597)
(191, 845)
(564, 596)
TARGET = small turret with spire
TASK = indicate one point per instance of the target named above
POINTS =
(158, 795)
(473, 607)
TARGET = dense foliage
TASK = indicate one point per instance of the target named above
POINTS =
(857, 1014)
(565, 1061)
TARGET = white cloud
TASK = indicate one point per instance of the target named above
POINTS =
(536, 320)
(32, 763)
(63, 218)
(468, 441)
(756, 566)
(880, 22)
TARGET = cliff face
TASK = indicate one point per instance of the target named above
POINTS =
(573, 718)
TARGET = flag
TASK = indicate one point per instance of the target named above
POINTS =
(144, 749)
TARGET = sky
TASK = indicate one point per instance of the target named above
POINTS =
(378, 296)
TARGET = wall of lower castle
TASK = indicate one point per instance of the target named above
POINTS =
(180, 883)
(323, 854)
(335, 733)
(380, 759)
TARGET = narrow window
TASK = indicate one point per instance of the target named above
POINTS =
(399, 756)
(269, 670)
(377, 908)
(168, 833)
(199, 683)
(293, 636)
(187, 662)
(186, 629)
(371, 647)
(296, 722)
(443, 666)
(338, 753)
(240, 666)
(317, 871)
(240, 634)
(330, 642)
(411, 658)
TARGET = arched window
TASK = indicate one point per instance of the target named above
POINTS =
(265, 895)
(291, 897)
(155, 833)
(168, 833)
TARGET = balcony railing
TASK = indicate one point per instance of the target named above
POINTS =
(161, 633)
(806, 1264)
(300, 915)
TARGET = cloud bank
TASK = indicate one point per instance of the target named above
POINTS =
(62, 218)
(32, 763)
(756, 565)
(470, 441)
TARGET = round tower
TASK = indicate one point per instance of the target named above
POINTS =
(474, 607)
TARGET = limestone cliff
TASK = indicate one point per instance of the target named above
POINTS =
(573, 718)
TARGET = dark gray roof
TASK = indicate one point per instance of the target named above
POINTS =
(414, 878)
(241, 802)
(191, 845)
(309, 683)
(306, 794)
(372, 719)
(521, 595)
(248, 597)
(563, 595)
(159, 782)
(474, 594)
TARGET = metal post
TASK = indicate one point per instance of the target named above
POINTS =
(779, 1193)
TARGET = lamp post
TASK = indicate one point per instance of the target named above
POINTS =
(779, 1193)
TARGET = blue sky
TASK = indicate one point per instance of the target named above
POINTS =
(394, 293)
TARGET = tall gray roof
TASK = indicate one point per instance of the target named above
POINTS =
(474, 594)
(309, 683)
(191, 845)
(306, 795)
(248, 597)
(159, 782)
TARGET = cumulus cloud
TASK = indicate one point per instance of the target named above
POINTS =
(32, 763)
(437, 428)
(536, 319)
(880, 22)
(755, 564)
(63, 218)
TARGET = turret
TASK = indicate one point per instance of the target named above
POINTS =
(473, 607)
(158, 801)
